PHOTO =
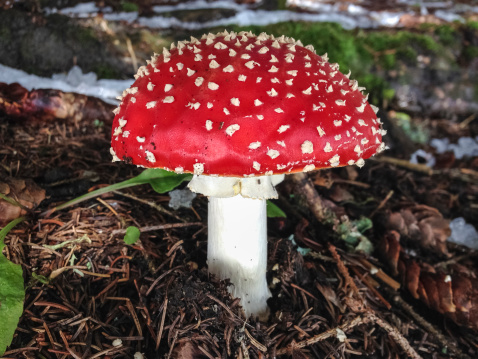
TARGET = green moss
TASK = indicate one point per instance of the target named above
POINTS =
(388, 94)
(447, 34)
(416, 131)
(85, 35)
(404, 45)
(78, 34)
(389, 61)
(345, 47)
(472, 25)
(330, 38)
(470, 53)
(375, 85)
(129, 6)
(325, 37)
(282, 5)
(370, 54)
(103, 71)
(340, 45)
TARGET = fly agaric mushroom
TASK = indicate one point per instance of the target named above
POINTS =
(236, 110)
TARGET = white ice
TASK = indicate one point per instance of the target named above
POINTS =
(264, 17)
(181, 198)
(75, 81)
(425, 156)
(354, 16)
(463, 233)
(465, 147)
(348, 15)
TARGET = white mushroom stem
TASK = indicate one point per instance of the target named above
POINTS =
(237, 249)
(237, 234)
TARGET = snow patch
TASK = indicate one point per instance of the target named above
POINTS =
(465, 147)
(426, 158)
(181, 198)
(75, 81)
(463, 233)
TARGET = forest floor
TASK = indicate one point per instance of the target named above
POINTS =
(409, 293)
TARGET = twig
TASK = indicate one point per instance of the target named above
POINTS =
(158, 227)
(394, 334)
(254, 342)
(221, 304)
(174, 247)
(461, 174)
(205, 352)
(154, 205)
(467, 121)
(112, 211)
(455, 259)
(303, 290)
(382, 203)
(417, 167)
(380, 274)
(110, 351)
(322, 336)
(352, 183)
(369, 313)
(156, 281)
(19, 350)
(429, 328)
(163, 318)
(344, 271)
(305, 187)
(130, 307)
(369, 286)
(134, 60)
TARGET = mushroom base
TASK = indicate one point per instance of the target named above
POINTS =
(237, 249)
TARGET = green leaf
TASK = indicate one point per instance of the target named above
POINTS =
(363, 224)
(273, 211)
(351, 233)
(166, 181)
(12, 292)
(161, 181)
(132, 235)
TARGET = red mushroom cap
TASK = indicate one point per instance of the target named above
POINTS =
(243, 105)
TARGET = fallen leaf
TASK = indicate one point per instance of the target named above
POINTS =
(25, 192)
(49, 104)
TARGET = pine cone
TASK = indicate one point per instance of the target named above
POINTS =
(422, 224)
(454, 295)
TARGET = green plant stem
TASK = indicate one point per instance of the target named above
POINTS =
(8, 228)
(151, 176)
(93, 194)
(11, 201)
